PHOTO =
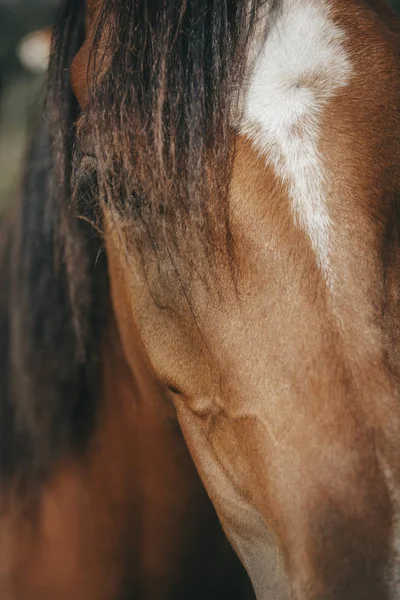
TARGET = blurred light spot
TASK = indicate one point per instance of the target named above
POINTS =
(34, 51)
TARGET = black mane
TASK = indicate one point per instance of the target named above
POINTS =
(162, 112)
(48, 366)
(48, 399)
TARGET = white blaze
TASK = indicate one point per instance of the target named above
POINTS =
(301, 66)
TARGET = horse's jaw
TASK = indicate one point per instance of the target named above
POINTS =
(301, 533)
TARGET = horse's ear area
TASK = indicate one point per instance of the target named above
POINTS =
(92, 6)
(79, 75)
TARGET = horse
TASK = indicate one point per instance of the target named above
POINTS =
(207, 245)
(99, 498)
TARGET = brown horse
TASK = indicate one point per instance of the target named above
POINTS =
(214, 227)
(100, 499)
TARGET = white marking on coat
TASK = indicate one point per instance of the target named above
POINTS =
(301, 66)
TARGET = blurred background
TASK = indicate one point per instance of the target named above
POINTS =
(24, 46)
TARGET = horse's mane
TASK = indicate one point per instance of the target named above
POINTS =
(163, 114)
(161, 110)
(47, 397)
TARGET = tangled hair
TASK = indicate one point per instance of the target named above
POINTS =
(160, 115)
(164, 81)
